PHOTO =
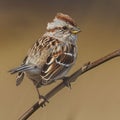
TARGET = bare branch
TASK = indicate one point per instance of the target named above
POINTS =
(72, 78)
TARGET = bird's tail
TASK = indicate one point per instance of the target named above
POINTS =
(21, 68)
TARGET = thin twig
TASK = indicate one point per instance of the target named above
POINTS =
(72, 78)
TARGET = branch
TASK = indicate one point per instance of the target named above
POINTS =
(72, 78)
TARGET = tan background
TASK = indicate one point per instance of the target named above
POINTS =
(96, 94)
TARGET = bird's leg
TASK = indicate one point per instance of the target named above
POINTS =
(67, 82)
(39, 96)
(42, 97)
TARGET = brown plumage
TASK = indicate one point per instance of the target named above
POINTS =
(66, 18)
(51, 56)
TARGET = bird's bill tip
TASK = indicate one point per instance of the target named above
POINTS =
(75, 30)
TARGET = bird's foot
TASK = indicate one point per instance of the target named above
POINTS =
(43, 100)
(67, 82)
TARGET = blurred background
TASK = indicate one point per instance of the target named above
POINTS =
(96, 94)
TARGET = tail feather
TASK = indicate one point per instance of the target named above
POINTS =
(21, 69)
(19, 78)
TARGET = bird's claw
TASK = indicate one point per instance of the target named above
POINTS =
(67, 82)
(43, 100)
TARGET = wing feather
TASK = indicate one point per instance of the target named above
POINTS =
(58, 62)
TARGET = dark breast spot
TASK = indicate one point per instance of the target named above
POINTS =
(72, 49)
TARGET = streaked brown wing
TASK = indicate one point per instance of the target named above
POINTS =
(58, 62)
(20, 75)
(34, 54)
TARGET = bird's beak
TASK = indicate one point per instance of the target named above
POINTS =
(75, 30)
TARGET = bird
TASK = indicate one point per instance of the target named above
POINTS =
(51, 56)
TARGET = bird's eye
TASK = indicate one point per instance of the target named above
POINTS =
(65, 28)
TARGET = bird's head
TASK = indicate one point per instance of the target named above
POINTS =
(62, 26)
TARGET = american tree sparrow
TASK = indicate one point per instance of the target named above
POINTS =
(51, 56)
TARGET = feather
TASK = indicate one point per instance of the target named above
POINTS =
(19, 78)
(21, 69)
(58, 62)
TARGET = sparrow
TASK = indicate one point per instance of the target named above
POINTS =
(51, 56)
